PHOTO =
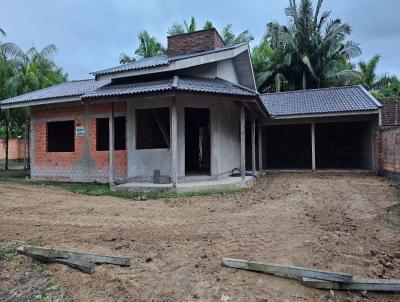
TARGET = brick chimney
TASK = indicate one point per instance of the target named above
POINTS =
(197, 41)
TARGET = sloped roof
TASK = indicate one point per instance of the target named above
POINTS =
(319, 101)
(160, 60)
(92, 88)
(67, 89)
(190, 84)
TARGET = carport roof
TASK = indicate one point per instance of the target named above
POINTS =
(348, 99)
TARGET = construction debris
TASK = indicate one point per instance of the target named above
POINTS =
(320, 279)
(286, 271)
(82, 261)
(361, 284)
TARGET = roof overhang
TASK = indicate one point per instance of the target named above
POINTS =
(321, 115)
(191, 61)
(40, 102)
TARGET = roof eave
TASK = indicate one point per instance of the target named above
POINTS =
(47, 101)
(327, 114)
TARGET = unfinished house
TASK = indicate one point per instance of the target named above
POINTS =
(190, 119)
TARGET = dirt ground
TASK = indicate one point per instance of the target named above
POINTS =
(337, 222)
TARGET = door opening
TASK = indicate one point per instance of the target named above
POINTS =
(197, 141)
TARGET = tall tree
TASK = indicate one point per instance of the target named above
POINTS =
(148, 47)
(318, 46)
(230, 38)
(368, 76)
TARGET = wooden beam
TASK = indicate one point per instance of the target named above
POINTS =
(260, 144)
(174, 142)
(162, 128)
(111, 145)
(253, 144)
(286, 270)
(313, 163)
(82, 261)
(243, 143)
(386, 285)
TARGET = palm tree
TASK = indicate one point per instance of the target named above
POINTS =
(148, 47)
(208, 25)
(318, 46)
(231, 39)
(368, 76)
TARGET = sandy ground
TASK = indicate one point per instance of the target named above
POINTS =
(316, 220)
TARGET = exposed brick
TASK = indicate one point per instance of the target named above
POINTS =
(390, 111)
(388, 149)
(194, 42)
(16, 149)
(85, 163)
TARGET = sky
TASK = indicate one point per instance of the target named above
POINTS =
(91, 34)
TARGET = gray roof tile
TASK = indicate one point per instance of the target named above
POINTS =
(67, 89)
(160, 60)
(205, 85)
(319, 101)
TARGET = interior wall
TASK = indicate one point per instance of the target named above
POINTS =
(288, 146)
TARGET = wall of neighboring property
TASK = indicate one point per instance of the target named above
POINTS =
(390, 111)
(388, 145)
(85, 163)
(16, 149)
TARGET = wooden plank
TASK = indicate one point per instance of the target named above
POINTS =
(243, 142)
(286, 270)
(253, 144)
(386, 285)
(60, 254)
(174, 142)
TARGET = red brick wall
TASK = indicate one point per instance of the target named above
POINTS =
(85, 163)
(16, 149)
(194, 42)
(390, 111)
(389, 151)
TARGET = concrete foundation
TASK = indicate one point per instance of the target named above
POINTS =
(226, 183)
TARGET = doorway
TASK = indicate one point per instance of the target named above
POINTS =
(197, 141)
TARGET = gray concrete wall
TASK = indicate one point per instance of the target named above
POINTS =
(225, 141)
(224, 69)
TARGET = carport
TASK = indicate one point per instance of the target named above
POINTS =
(320, 129)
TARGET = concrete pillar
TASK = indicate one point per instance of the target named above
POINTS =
(243, 143)
(314, 167)
(253, 144)
(111, 146)
(174, 142)
(260, 144)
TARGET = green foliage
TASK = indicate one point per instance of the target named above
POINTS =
(311, 51)
(369, 78)
(6, 251)
(391, 90)
(148, 47)
(230, 38)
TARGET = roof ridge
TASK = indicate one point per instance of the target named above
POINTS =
(314, 89)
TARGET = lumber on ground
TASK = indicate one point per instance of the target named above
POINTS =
(287, 271)
(382, 285)
(81, 261)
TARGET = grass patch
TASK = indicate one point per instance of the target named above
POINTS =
(98, 189)
(6, 251)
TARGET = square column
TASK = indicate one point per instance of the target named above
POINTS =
(253, 144)
(243, 143)
(314, 167)
(260, 153)
(174, 142)
(111, 146)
